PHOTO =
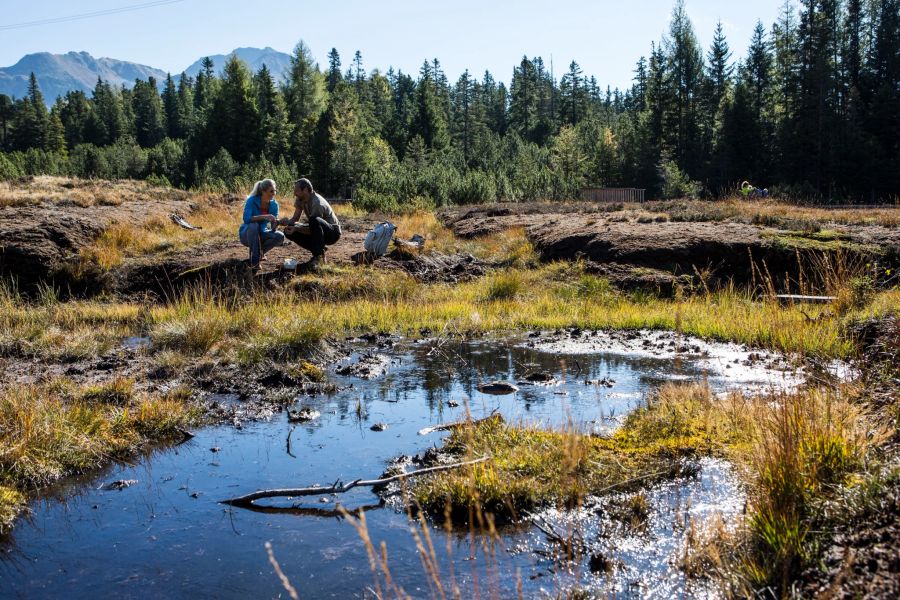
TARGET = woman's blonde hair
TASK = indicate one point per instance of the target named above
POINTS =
(261, 186)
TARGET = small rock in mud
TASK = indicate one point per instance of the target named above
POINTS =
(119, 484)
(215, 449)
(498, 388)
(379, 427)
(605, 382)
(302, 415)
(452, 403)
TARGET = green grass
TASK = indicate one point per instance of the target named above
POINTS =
(531, 467)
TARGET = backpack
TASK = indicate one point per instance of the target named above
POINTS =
(378, 239)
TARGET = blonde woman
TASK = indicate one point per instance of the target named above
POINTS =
(259, 229)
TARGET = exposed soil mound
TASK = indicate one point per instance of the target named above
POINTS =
(45, 222)
(33, 251)
(659, 246)
(863, 560)
(436, 267)
(679, 248)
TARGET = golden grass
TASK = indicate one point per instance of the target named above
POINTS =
(12, 502)
(159, 234)
(794, 450)
(56, 428)
(772, 209)
(51, 429)
(531, 467)
(83, 192)
(347, 300)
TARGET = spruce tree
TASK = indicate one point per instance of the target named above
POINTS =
(430, 121)
(334, 69)
(149, 115)
(234, 120)
(7, 112)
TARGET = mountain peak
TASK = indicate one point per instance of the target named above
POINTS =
(58, 74)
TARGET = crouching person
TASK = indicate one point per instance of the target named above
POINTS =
(259, 229)
(323, 228)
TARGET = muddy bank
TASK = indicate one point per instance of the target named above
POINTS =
(42, 236)
(860, 557)
(660, 253)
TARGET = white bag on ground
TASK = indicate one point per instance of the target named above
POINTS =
(379, 238)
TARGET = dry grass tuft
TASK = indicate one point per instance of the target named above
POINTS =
(12, 502)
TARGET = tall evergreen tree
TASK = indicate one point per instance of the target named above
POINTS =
(430, 122)
(234, 120)
(306, 95)
(524, 106)
(684, 74)
(334, 69)
(149, 115)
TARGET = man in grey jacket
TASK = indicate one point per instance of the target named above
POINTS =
(323, 228)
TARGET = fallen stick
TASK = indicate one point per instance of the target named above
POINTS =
(455, 424)
(339, 487)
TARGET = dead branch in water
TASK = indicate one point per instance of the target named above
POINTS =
(339, 487)
(456, 424)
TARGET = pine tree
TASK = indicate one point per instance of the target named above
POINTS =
(639, 89)
(149, 115)
(172, 109)
(524, 104)
(55, 135)
(404, 110)
(75, 113)
(31, 122)
(684, 71)
(430, 122)
(107, 123)
(186, 106)
(573, 95)
(463, 102)
(7, 112)
(306, 95)
(334, 69)
(883, 119)
(276, 126)
(719, 68)
(234, 120)
(207, 85)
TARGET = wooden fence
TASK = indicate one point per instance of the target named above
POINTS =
(612, 194)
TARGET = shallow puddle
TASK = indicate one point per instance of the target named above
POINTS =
(167, 535)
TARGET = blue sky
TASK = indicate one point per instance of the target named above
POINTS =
(605, 37)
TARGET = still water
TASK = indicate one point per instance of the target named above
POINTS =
(167, 536)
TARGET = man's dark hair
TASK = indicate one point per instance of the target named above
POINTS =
(304, 184)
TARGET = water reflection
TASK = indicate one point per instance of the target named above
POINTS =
(168, 536)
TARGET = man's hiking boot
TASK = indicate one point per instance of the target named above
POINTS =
(314, 263)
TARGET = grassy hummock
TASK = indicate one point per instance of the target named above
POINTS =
(794, 451)
(53, 429)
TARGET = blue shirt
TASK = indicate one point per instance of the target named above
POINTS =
(253, 208)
